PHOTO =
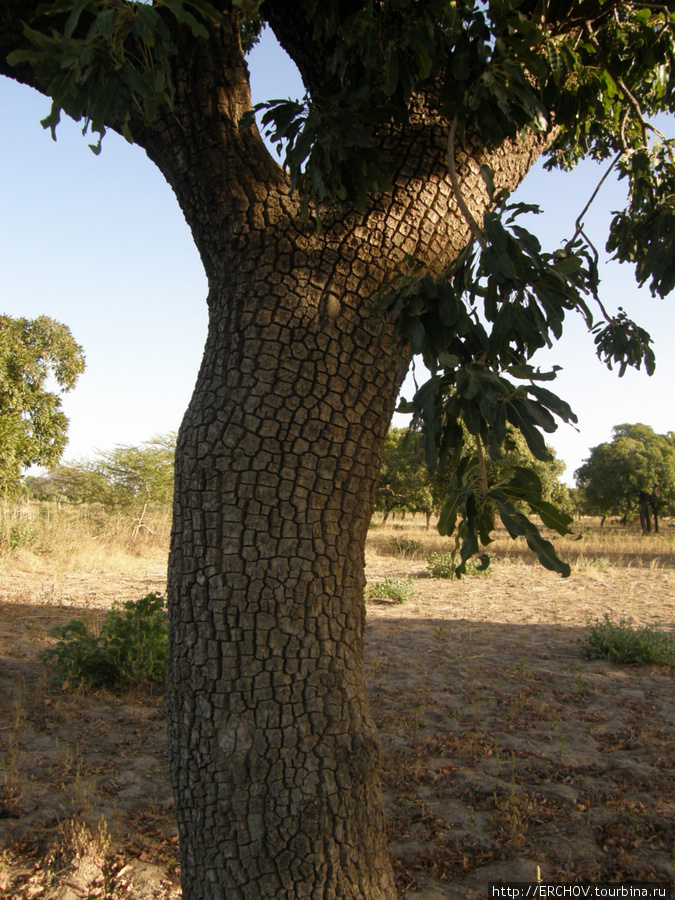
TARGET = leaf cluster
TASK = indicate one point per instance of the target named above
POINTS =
(644, 233)
(131, 648)
(103, 61)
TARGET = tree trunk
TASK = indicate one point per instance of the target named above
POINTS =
(274, 755)
(645, 517)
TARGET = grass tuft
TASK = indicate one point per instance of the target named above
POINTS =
(621, 642)
(398, 590)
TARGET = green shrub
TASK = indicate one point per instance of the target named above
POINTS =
(131, 648)
(399, 590)
(20, 536)
(620, 642)
(443, 565)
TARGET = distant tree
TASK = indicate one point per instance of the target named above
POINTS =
(127, 479)
(135, 478)
(634, 473)
(405, 482)
(75, 483)
(33, 428)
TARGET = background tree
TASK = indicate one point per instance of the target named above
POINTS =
(405, 482)
(35, 355)
(419, 119)
(74, 483)
(137, 478)
(634, 473)
(129, 479)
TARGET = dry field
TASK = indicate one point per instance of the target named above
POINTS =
(505, 750)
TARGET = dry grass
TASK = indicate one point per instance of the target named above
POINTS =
(38, 537)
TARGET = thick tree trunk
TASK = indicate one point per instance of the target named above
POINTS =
(274, 755)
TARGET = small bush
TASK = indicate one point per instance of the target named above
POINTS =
(443, 565)
(620, 642)
(20, 536)
(131, 648)
(399, 590)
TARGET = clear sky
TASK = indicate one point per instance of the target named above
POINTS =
(100, 244)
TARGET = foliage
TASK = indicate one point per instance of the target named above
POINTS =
(444, 565)
(633, 473)
(131, 648)
(404, 481)
(407, 484)
(621, 642)
(137, 476)
(105, 61)
(586, 77)
(20, 535)
(75, 483)
(398, 590)
(33, 428)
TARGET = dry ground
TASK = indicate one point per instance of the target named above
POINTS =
(504, 749)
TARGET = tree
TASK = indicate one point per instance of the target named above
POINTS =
(633, 473)
(137, 478)
(418, 121)
(126, 478)
(405, 482)
(33, 428)
(75, 483)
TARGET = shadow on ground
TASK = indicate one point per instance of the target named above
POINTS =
(504, 750)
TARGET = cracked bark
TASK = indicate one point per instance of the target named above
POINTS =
(274, 756)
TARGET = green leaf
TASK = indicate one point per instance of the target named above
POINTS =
(448, 517)
(74, 17)
(487, 175)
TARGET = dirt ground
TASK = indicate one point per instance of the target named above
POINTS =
(505, 750)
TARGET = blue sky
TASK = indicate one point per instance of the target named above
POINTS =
(100, 244)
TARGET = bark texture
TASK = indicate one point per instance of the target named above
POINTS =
(274, 756)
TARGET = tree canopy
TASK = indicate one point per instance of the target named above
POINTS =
(585, 78)
(634, 473)
(35, 355)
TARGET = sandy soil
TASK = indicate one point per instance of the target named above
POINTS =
(505, 750)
